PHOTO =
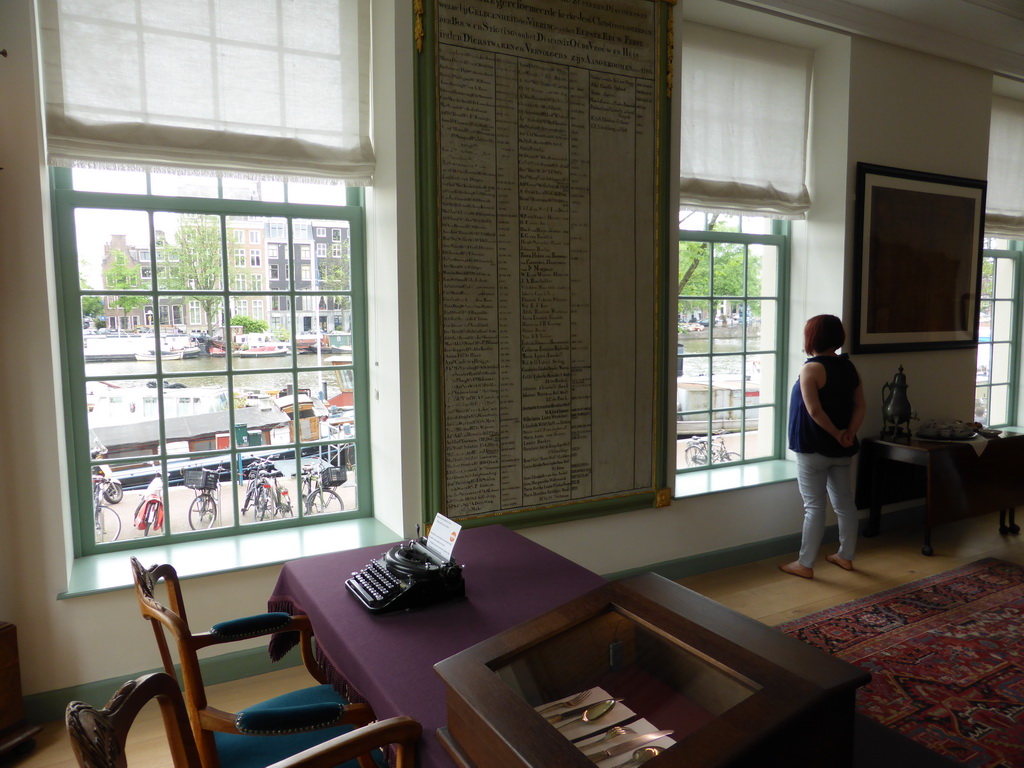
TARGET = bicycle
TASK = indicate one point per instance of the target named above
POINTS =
(700, 448)
(113, 491)
(106, 519)
(202, 512)
(318, 489)
(263, 494)
(149, 515)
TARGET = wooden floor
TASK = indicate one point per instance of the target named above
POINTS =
(758, 590)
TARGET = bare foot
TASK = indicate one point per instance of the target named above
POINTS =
(842, 562)
(797, 570)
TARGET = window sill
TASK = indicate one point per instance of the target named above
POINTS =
(733, 478)
(108, 572)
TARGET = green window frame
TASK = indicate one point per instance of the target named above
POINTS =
(157, 416)
(1000, 326)
(730, 403)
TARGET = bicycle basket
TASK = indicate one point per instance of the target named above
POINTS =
(201, 479)
(332, 477)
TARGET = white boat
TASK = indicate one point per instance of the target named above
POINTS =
(149, 356)
(271, 349)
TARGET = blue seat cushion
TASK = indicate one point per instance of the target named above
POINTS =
(239, 751)
(251, 626)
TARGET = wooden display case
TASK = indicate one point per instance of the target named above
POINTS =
(733, 691)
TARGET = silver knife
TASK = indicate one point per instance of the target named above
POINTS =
(627, 745)
(560, 716)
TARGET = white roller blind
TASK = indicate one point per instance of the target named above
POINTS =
(266, 87)
(745, 107)
(1004, 201)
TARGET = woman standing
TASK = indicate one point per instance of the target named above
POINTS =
(825, 411)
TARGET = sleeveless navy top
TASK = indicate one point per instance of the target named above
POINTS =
(841, 380)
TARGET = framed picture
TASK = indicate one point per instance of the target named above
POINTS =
(917, 260)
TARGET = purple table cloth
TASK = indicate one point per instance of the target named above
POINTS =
(388, 659)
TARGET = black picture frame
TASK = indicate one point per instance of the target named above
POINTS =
(917, 260)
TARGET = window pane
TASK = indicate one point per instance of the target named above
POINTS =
(694, 270)
(759, 433)
(184, 185)
(316, 194)
(729, 273)
(1005, 270)
(764, 270)
(981, 409)
(984, 372)
(754, 326)
(1002, 321)
(189, 252)
(1001, 363)
(999, 406)
(250, 189)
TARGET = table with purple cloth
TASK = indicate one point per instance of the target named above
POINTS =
(388, 659)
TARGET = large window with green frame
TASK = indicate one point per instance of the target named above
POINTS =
(730, 342)
(214, 356)
(999, 333)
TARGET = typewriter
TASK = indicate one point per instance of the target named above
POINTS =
(408, 575)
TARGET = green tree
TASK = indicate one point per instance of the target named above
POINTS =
(122, 275)
(193, 263)
(334, 274)
(249, 324)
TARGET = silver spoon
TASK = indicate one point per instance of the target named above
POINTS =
(592, 713)
(641, 756)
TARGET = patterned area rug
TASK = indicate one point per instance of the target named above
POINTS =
(946, 655)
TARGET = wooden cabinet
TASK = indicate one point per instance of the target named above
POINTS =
(15, 734)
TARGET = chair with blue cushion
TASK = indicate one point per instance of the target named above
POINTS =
(260, 734)
(98, 736)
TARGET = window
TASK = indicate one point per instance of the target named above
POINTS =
(321, 250)
(254, 236)
(999, 330)
(728, 397)
(191, 392)
(239, 257)
(321, 231)
(255, 257)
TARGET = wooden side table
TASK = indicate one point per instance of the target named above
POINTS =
(958, 481)
(15, 734)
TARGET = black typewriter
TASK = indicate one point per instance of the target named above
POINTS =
(408, 575)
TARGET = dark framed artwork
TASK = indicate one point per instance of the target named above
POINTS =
(917, 260)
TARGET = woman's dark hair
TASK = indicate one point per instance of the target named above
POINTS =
(823, 332)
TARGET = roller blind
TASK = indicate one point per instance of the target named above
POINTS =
(247, 87)
(745, 105)
(1004, 200)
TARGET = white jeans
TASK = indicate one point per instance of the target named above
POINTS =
(819, 477)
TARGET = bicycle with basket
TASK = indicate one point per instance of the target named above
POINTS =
(202, 512)
(318, 486)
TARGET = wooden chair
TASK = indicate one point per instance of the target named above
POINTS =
(98, 736)
(224, 739)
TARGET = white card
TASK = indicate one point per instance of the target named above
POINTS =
(442, 537)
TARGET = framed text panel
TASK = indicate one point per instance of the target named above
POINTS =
(547, 202)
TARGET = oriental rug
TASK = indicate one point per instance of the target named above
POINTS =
(946, 655)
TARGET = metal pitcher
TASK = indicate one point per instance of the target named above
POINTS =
(896, 410)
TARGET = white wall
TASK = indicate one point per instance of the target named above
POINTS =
(911, 110)
(934, 117)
